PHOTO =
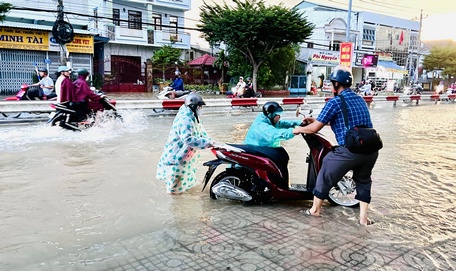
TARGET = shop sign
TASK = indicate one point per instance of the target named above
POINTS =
(322, 57)
(346, 51)
(384, 56)
(81, 44)
(38, 40)
(23, 39)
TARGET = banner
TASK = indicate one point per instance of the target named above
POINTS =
(346, 51)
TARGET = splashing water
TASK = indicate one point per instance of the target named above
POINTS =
(106, 127)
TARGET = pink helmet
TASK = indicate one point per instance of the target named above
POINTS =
(24, 86)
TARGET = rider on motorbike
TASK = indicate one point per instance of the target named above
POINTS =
(338, 162)
(268, 130)
(177, 85)
(248, 89)
(83, 93)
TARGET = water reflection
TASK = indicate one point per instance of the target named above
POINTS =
(86, 198)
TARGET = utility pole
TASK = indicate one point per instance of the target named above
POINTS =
(347, 33)
(419, 46)
(63, 53)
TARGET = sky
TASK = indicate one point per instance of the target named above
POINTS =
(438, 15)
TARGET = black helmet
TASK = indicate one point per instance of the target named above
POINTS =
(270, 109)
(342, 75)
(249, 79)
(43, 70)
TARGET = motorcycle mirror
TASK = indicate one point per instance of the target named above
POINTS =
(298, 111)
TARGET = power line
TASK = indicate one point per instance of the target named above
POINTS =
(104, 17)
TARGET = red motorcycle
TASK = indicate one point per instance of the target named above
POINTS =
(27, 94)
(252, 175)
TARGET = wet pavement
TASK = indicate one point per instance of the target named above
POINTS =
(278, 237)
(102, 209)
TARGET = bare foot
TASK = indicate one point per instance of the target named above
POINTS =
(308, 212)
(366, 223)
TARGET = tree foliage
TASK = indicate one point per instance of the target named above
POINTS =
(253, 29)
(4, 8)
(221, 62)
(166, 56)
(272, 72)
(441, 58)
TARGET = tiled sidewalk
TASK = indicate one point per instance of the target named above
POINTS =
(277, 237)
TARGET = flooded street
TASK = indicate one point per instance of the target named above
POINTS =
(90, 201)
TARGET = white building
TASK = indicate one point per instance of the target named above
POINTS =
(393, 40)
(111, 37)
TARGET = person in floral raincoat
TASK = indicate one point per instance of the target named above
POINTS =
(177, 165)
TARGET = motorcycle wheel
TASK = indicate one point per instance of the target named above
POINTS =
(233, 177)
(56, 119)
(344, 192)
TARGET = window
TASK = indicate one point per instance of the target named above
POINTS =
(173, 24)
(157, 19)
(414, 41)
(116, 16)
(369, 34)
(134, 19)
(310, 45)
(335, 46)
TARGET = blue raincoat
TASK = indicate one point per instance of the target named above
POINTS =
(263, 133)
(177, 162)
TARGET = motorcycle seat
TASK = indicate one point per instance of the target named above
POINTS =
(277, 155)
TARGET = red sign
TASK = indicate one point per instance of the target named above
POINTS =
(346, 51)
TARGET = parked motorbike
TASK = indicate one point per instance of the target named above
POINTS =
(252, 176)
(76, 116)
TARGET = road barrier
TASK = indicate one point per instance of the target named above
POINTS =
(45, 106)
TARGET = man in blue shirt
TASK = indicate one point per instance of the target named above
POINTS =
(177, 85)
(337, 163)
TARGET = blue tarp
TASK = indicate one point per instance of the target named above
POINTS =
(389, 65)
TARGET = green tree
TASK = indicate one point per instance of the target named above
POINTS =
(166, 56)
(274, 71)
(4, 8)
(253, 29)
(441, 58)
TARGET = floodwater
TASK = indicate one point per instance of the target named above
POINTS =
(75, 199)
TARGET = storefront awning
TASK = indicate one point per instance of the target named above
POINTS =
(389, 65)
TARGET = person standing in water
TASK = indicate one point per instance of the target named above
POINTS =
(177, 165)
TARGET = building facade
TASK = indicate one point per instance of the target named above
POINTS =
(393, 40)
(112, 39)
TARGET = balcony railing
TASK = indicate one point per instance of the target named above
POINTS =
(119, 34)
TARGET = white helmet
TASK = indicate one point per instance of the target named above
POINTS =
(193, 101)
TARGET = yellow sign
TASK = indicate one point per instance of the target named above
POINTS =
(39, 40)
(23, 39)
(81, 44)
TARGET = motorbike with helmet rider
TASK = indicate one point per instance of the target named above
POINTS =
(248, 89)
(268, 130)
